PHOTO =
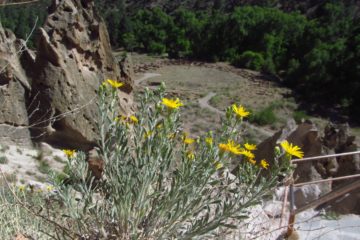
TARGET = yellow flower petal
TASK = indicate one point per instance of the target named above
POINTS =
(240, 111)
(172, 103)
(292, 149)
(209, 141)
(188, 141)
(218, 165)
(148, 134)
(190, 155)
(230, 146)
(264, 164)
(247, 154)
(252, 161)
(133, 119)
(250, 147)
(69, 153)
(114, 83)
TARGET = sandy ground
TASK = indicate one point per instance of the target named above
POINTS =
(309, 225)
(24, 165)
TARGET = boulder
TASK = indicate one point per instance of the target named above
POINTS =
(14, 89)
(305, 136)
(74, 58)
(336, 139)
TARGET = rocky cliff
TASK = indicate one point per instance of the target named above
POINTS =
(14, 90)
(55, 94)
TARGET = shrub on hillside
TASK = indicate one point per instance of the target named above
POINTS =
(265, 116)
(249, 59)
(157, 183)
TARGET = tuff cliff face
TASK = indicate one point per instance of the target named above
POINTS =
(14, 88)
(74, 57)
(56, 92)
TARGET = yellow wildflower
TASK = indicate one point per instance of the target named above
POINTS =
(218, 165)
(188, 140)
(190, 155)
(230, 146)
(240, 111)
(21, 188)
(49, 188)
(120, 118)
(292, 149)
(250, 147)
(148, 134)
(252, 161)
(264, 164)
(209, 141)
(69, 153)
(114, 83)
(133, 119)
(247, 154)
(172, 103)
(223, 147)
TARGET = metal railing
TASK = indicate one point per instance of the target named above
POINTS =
(331, 195)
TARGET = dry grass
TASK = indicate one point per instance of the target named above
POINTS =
(231, 85)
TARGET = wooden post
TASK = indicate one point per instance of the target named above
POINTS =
(290, 228)
(284, 204)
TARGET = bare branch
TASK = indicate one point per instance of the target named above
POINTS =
(4, 3)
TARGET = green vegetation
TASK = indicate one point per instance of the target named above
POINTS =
(3, 160)
(157, 182)
(318, 56)
(44, 167)
(265, 116)
(21, 19)
(299, 116)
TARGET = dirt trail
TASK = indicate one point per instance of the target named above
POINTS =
(204, 103)
(145, 77)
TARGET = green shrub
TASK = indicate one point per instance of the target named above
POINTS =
(250, 59)
(3, 160)
(299, 116)
(263, 117)
(44, 167)
(157, 48)
(157, 183)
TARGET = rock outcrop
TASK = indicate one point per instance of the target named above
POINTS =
(74, 57)
(336, 139)
(14, 90)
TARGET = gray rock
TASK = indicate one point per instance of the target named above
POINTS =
(273, 209)
(74, 57)
(306, 194)
(336, 139)
(14, 88)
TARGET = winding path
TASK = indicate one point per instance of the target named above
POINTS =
(145, 77)
(204, 103)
